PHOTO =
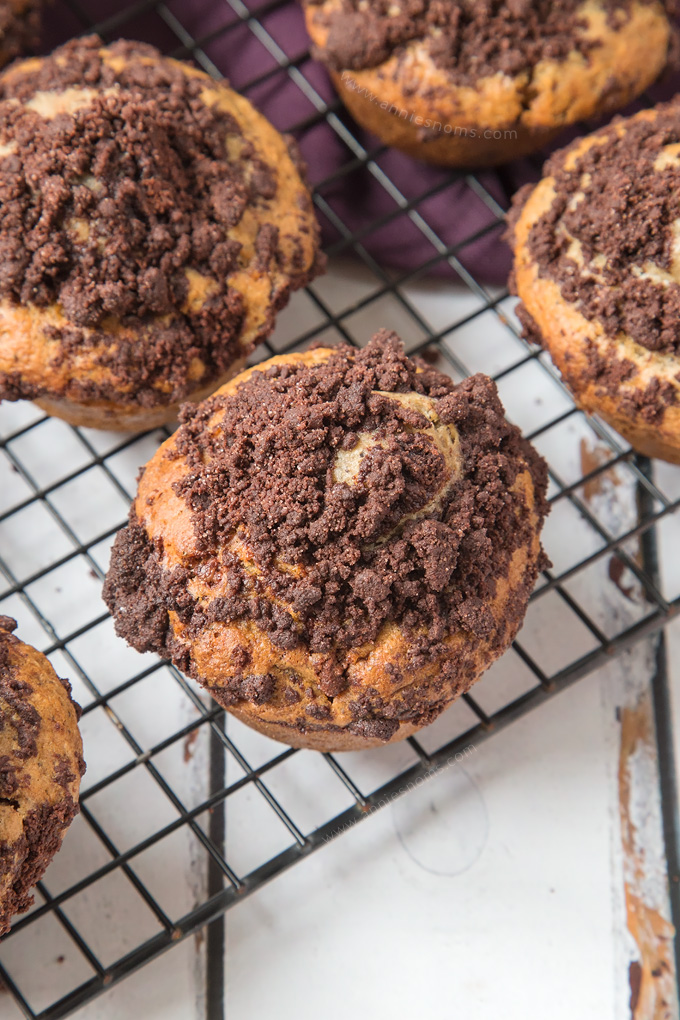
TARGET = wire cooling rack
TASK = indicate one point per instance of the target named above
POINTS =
(150, 860)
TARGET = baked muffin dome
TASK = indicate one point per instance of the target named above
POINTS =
(597, 268)
(19, 27)
(336, 544)
(41, 763)
(477, 82)
(153, 223)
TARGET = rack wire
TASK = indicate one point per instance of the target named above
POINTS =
(65, 553)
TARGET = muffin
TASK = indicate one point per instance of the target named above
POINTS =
(597, 269)
(336, 544)
(153, 224)
(477, 82)
(19, 27)
(41, 764)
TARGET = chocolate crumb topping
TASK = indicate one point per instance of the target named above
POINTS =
(19, 27)
(468, 39)
(19, 713)
(26, 859)
(11, 777)
(7, 626)
(328, 500)
(126, 196)
(530, 328)
(610, 238)
(15, 710)
(30, 832)
(63, 773)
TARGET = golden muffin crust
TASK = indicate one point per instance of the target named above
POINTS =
(462, 83)
(41, 763)
(597, 269)
(336, 544)
(153, 224)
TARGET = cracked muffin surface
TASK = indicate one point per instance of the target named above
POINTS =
(461, 82)
(41, 765)
(597, 269)
(153, 224)
(336, 544)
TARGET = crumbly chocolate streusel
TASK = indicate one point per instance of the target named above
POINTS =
(469, 39)
(24, 860)
(19, 27)
(43, 832)
(264, 475)
(107, 207)
(14, 706)
(627, 216)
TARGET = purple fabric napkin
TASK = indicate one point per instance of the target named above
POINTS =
(354, 200)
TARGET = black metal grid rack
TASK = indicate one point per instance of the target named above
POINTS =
(42, 488)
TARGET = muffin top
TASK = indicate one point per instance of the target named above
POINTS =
(40, 767)
(150, 216)
(606, 230)
(467, 39)
(324, 497)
